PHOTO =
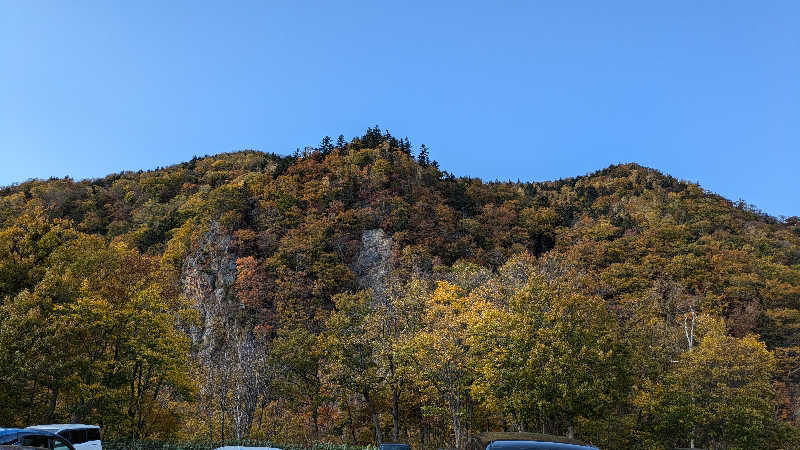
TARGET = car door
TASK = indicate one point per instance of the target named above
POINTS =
(67, 434)
(60, 444)
(75, 436)
(93, 439)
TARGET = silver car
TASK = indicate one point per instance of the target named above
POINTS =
(82, 437)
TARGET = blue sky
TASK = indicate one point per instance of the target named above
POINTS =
(706, 91)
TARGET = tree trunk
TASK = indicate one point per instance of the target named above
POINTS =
(518, 421)
(52, 408)
(457, 430)
(375, 419)
(211, 422)
(423, 428)
(455, 410)
(222, 421)
(315, 416)
(30, 407)
(350, 420)
(377, 423)
(395, 413)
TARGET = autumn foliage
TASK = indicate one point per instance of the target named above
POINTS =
(624, 307)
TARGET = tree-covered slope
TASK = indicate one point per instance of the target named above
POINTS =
(356, 292)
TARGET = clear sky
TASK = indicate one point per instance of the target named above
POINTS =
(707, 91)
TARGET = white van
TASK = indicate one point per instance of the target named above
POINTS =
(82, 437)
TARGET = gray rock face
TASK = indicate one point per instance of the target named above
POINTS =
(208, 274)
(373, 265)
(210, 271)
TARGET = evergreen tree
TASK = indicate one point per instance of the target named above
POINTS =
(325, 147)
(405, 146)
(372, 137)
(424, 158)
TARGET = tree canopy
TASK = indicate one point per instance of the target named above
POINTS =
(357, 292)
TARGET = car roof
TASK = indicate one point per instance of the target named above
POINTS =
(526, 445)
(6, 432)
(522, 440)
(17, 447)
(63, 426)
(482, 440)
(10, 431)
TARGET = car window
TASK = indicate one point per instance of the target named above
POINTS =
(9, 440)
(67, 434)
(59, 444)
(93, 434)
(33, 440)
(78, 436)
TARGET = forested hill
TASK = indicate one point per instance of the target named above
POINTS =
(357, 292)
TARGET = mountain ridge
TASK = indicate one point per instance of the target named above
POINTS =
(286, 273)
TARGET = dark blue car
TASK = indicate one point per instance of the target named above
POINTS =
(524, 441)
(394, 446)
(535, 445)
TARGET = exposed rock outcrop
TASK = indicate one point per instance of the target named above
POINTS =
(208, 274)
(373, 265)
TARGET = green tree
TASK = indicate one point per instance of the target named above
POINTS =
(97, 339)
(440, 351)
(352, 353)
(549, 359)
(719, 394)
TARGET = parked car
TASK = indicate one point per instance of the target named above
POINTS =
(394, 446)
(82, 437)
(524, 441)
(26, 438)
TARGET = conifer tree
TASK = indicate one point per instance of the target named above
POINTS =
(325, 147)
(424, 158)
